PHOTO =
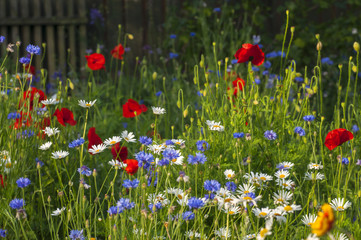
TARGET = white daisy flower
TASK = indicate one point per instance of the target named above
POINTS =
(265, 231)
(177, 161)
(340, 204)
(158, 110)
(315, 166)
(155, 198)
(50, 101)
(312, 237)
(85, 104)
(252, 177)
(128, 136)
(139, 231)
(116, 163)
(341, 236)
(215, 126)
(229, 173)
(249, 236)
(282, 197)
(285, 165)
(5, 160)
(261, 213)
(279, 214)
(264, 177)
(314, 176)
(95, 149)
(282, 174)
(178, 142)
(192, 235)
(309, 219)
(156, 148)
(45, 146)
(250, 198)
(288, 184)
(183, 201)
(223, 192)
(233, 210)
(223, 233)
(184, 178)
(59, 154)
(113, 140)
(290, 208)
(58, 211)
(51, 131)
(246, 188)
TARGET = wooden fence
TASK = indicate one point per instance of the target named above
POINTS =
(61, 24)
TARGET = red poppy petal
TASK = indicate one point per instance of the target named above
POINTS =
(337, 137)
(93, 138)
(120, 154)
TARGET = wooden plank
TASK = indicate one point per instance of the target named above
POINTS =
(50, 41)
(82, 33)
(61, 39)
(71, 33)
(14, 14)
(21, 21)
(3, 29)
(25, 30)
(38, 33)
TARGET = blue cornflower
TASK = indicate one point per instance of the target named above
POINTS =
(32, 49)
(144, 159)
(76, 143)
(173, 55)
(192, 34)
(309, 118)
(171, 154)
(130, 184)
(216, 9)
(257, 81)
(2, 39)
(150, 178)
(14, 115)
(265, 72)
(198, 158)
(27, 133)
(94, 15)
(209, 196)
(158, 93)
(173, 36)
(345, 161)
(39, 161)
(163, 162)
(23, 182)
(169, 142)
(327, 61)
(202, 145)
(300, 131)
(76, 235)
(234, 61)
(145, 140)
(17, 203)
(267, 64)
(125, 203)
(188, 215)
(355, 128)
(195, 203)
(270, 135)
(85, 171)
(299, 79)
(255, 69)
(3, 233)
(256, 39)
(125, 125)
(155, 207)
(231, 186)
(238, 135)
(24, 60)
(272, 55)
(212, 185)
(113, 210)
(281, 54)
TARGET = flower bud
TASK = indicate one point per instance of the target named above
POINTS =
(319, 46)
(154, 76)
(356, 46)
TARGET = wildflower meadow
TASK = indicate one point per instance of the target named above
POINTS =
(221, 139)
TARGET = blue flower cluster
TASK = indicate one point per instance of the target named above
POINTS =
(3, 233)
(76, 143)
(212, 185)
(202, 145)
(238, 135)
(23, 182)
(145, 140)
(188, 215)
(122, 205)
(32, 49)
(270, 135)
(24, 60)
(300, 131)
(231, 186)
(144, 159)
(309, 118)
(76, 235)
(130, 184)
(199, 158)
(195, 203)
(14, 115)
(17, 203)
(84, 170)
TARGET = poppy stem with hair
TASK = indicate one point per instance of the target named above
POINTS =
(284, 41)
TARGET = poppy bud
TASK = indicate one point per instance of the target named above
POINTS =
(354, 68)
(292, 29)
(317, 36)
(214, 44)
(340, 66)
(130, 36)
(319, 46)
(179, 104)
(356, 46)
(287, 11)
(154, 76)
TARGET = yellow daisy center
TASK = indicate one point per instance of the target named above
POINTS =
(263, 178)
(230, 175)
(180, 196)
(88, 104)
(126, 139)
(174, 160)
(285, 184)
(113, 142)
(8, 165)
(282, 176)
(231, 212)
(263, 214)
(228, 200)
(288, 208)
(263, 232)
(340, 208)
(97, 150)
(245, 192)
(216, 126)
(247, 198)
(280, 200)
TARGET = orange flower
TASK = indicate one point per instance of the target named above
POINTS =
(324, 221)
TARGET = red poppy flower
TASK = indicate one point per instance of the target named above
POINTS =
(29, 96)
(24, 120)
(65, 116)
(30, 68)
(238, 84)
(96, 61)
(93, 138)
(132, 166)
(118, 52)
(337, 137)
(132, 108)
(250, 52)
(118, 153)
(1, 180)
